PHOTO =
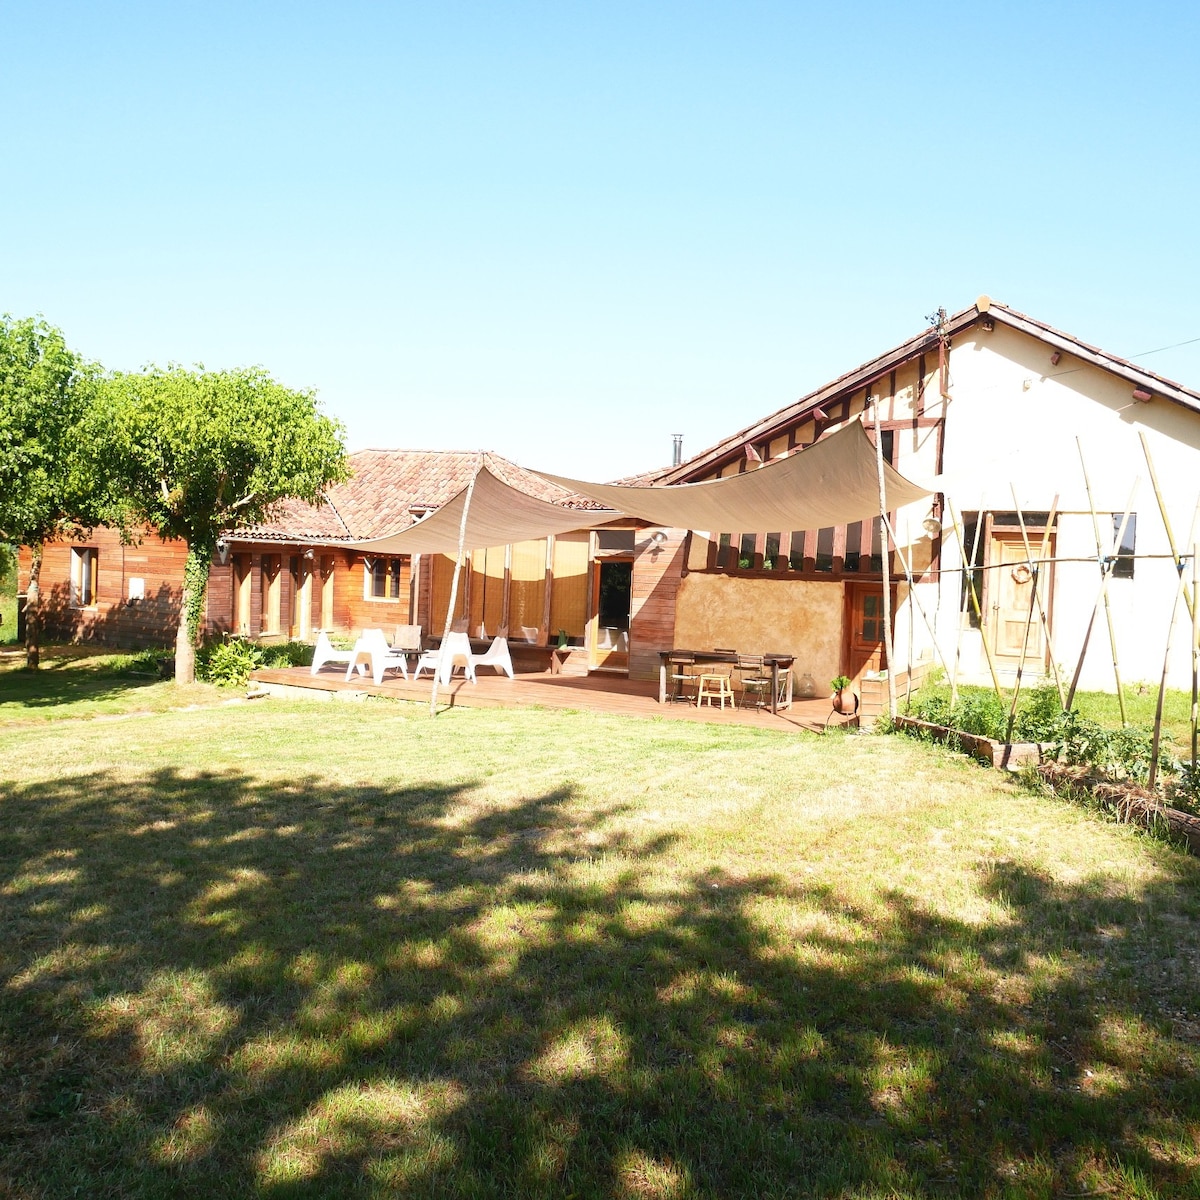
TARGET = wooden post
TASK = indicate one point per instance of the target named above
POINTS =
(885, 569)
(462, 538)
(1112, 633)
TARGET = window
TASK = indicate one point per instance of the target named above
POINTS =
(853, 555)
(824, 556)
(796, 552)
(723, 551)
(746, 551)
(771, 552)
(619, 541)
(83, 576)
(1123, 560)
(382, 578)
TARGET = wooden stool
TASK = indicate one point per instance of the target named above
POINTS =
(714, 686)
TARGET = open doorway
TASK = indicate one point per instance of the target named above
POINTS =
(612, 601)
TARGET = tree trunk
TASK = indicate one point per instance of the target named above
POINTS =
(33, 609)
(191, 609)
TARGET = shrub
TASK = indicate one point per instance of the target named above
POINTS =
(228, 663)
(290, 654)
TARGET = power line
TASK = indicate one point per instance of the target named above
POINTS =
(1174, 346)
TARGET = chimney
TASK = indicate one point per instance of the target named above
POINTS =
(677, 452)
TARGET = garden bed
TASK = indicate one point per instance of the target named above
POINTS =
(1126, 800)
(1007, 755)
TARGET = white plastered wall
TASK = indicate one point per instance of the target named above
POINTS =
(1013, 419)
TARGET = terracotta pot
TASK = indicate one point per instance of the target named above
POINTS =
(845, 702)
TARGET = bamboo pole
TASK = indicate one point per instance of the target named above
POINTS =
(964, 603)
(1034, 602)
(1180, 588)
(1112, 633)
(1162, 508)
(1195, 653)
(885, 568)
(1100, 595)
(987, 650)
(462, 538)
(1035, 566)
(906, 563)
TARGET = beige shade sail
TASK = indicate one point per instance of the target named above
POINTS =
(499, 514)
(834, 482)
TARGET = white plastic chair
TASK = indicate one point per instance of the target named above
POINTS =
(324, 652)
(496, 655)
(382, 657)
(457, 647)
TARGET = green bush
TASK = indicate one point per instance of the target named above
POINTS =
(290, 654)
(228, 663)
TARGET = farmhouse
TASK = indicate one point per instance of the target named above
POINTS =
(1012, 423)
(1045, 467)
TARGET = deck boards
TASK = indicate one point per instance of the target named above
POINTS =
(592, 693)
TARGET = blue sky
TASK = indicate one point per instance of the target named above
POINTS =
(567, 231)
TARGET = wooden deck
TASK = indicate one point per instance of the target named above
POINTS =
(593, 693)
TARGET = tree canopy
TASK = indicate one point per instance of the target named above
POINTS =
(198, 452)
(49, 487)
(46, 480)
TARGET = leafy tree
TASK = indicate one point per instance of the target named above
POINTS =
(196, 453)
(48, 488)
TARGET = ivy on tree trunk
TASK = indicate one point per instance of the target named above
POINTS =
(33, 609)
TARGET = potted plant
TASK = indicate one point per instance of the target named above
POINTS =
(844, 700)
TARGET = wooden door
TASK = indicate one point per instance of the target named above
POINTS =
(243, 582)
(1010, 601)
(864, 642)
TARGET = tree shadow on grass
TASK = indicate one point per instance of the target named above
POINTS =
(69, 680)
(214, 986)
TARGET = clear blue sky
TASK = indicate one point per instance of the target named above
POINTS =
(565, 231)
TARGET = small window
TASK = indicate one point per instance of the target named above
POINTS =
(824, 556)
(621, 540)
(771, 552)
(84, 561)
(381, 578)
(723, 551)
(853, 556)
(746, 552)
(872, 619)
(1123, 560)
(796, 555)
(888, 439)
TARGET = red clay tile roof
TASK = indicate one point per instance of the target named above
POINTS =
(386, 485)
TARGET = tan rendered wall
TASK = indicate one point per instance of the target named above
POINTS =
(756, 616)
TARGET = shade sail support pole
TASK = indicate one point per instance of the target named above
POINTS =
(458, 562)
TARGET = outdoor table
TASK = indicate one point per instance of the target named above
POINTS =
(774, 661)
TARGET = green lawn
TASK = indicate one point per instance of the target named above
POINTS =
(300, 949)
